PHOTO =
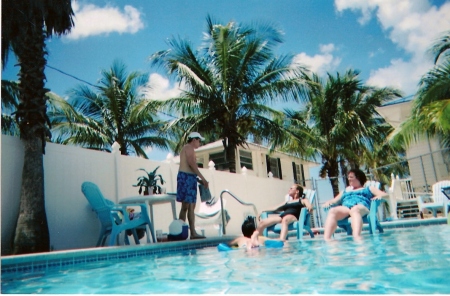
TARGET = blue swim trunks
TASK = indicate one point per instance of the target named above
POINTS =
(186, 187)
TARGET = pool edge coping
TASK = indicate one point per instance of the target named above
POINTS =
(67, 258)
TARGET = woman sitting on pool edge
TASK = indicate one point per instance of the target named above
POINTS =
(355, 202)
(245, 241)
(290, 212)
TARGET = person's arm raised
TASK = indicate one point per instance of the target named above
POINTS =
(308, 205)
(377, 193)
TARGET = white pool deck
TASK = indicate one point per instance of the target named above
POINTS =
(67, 259)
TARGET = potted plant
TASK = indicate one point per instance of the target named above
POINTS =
(149, 182)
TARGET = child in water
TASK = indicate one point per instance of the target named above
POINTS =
(245, 241)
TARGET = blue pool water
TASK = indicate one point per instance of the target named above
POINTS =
(400, 261)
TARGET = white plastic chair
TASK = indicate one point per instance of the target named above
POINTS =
(435, 201)
(210, 215)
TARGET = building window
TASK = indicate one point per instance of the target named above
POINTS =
(274, 166)
(200, 162)
(246, 159)
(299, 174)
(219, 161)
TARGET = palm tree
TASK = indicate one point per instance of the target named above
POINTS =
(25, 27)
(441, 47)
(10, 102)
(385, 159)
(115, 111)
(338, 122)
(430, 116)
(230, 83)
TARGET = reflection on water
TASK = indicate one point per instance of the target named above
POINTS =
(413, 260)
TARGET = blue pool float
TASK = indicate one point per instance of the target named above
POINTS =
(273, 244)
(269, 244)
(224, 247)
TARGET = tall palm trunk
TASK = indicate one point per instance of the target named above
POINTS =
(231, 157)
(344, 171)
(32, 234)
(333, 174)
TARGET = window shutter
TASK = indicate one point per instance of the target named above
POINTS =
(279, 169)
(295, 172)
(303, 174)
(267, 164)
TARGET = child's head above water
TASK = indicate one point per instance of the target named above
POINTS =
(249, 226)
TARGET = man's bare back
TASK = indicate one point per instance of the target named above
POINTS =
(186, 152)
(188, 160)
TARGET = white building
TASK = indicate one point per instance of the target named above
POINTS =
(257, 162)
(428, 162)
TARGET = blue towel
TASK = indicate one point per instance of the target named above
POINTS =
(205, 194)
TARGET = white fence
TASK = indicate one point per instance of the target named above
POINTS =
(72, 223)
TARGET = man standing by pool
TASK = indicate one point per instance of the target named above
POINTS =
(187, 181)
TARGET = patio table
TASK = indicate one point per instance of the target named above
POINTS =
(153, 200)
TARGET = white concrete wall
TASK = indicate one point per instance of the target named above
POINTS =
(72, 223)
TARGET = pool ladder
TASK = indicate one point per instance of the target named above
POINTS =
(239, 200)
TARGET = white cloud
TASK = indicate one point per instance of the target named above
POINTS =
(160, 88)
(354, 5)
(91, 20)
(413, 25)
(400, 74)
(319, 63)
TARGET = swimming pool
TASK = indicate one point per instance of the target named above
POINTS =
(412, 260)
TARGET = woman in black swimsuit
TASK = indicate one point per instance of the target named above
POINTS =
(290, 212)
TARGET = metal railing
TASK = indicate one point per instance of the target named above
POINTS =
(239, 200)
(420, 173)
(422, 170)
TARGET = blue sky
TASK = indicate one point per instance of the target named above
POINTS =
(386, 40)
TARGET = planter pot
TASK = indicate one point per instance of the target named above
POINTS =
(148, 191)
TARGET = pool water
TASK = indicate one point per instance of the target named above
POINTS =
(400, 261)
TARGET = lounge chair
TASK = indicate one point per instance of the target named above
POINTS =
(209, 213)
(371, 218)
(114, 218)
(303, 223)
(435, 201)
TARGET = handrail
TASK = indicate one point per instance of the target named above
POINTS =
(239, 200)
